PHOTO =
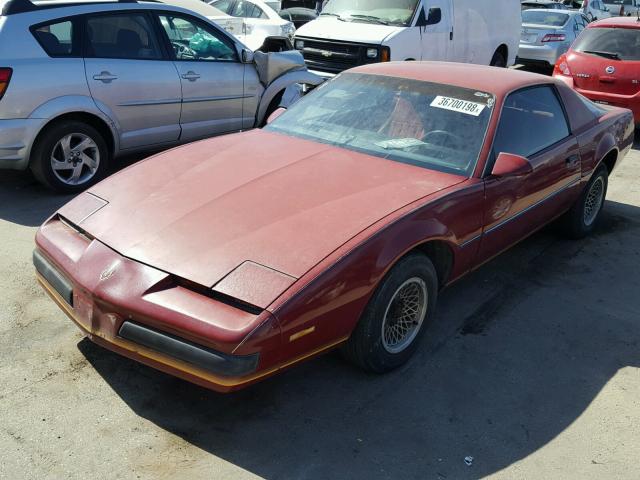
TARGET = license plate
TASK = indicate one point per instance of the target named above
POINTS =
(602, 102)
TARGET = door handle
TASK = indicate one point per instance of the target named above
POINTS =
(572, 161)
(191, 76)
(105, 77)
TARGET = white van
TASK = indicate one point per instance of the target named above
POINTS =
(355, 32)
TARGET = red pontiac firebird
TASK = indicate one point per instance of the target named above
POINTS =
(227, 260)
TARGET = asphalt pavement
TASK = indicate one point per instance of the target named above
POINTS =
(532, 369)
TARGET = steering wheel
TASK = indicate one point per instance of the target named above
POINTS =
(442, 138)
(182, 51)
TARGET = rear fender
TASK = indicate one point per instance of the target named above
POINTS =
(78, 104)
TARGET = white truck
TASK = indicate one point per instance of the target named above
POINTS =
(356, 32)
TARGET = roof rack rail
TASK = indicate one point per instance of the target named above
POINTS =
(12, 7)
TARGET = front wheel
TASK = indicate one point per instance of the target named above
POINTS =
(396, 317)
(498, 60)
(583, 216)
(69, 157)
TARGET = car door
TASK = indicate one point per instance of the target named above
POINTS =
(211, 74)
(532, 124)
(131, 79)
(437, 35)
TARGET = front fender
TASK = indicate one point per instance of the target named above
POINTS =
(280, 84)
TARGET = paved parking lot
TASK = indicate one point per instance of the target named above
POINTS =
(532, 368)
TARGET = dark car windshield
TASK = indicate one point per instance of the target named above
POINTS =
(613, 43)
(392, 12)
(431, 125)
(544, 17)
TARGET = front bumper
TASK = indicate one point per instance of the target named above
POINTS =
(541, 54)
(134, 310)
(16, 139)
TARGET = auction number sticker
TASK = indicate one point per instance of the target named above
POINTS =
(457, 105)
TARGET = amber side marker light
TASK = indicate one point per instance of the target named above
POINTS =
(5, 76)
(385, 54)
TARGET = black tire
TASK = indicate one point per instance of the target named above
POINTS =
(366, 347)
(273, 106)
(498, 60)
(47, 145)
(574, 223)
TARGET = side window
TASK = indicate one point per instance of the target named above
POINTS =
(122, 35)
(248, 10)
(536, 110)
(194, 40)
(224, 5)
(55, 38)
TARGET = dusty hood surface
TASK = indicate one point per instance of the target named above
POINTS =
(334, 29)
(201, 210)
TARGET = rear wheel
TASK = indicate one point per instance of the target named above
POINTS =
(583, 216)
(396, 317)
(69, 157)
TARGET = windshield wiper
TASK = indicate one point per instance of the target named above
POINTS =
(327, 14)
(370, 18)
(611, 55)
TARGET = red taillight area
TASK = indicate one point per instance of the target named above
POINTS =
(554, 37)
(5, 76)
(561, 67)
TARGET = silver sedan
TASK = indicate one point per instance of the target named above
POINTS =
(547, 34)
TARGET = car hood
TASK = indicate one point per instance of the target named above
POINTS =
(202, 210)
(334, 29)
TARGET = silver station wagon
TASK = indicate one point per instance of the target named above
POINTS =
(81, 83)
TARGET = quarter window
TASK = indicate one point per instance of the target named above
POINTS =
(126, 36)
(56, 38)
(192, 40)
(224, 5)
(531, 120)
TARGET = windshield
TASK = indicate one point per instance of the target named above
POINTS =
(430, 125)
(544, 17)
(392, 12)
(613, 43)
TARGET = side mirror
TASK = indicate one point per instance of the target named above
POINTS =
(276, 113)
(510, 165)
(247, 55)
(434, 17)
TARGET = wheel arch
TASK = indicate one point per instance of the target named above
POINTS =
(279, 85)
(89, 118)
(504, 50)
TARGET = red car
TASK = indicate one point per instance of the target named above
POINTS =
(230, 259)
(603, 64)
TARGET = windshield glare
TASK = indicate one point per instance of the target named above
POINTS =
(623, 42)
(430, 125)
(395, 12)
(544, 17)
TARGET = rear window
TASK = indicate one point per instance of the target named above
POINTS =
(541, 17)
(613, 43)
(122, 35)
(55, 38)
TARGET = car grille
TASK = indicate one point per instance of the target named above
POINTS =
(334, 57)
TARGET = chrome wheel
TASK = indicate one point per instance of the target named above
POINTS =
(75, 159)
(404, 315)
(593, 201)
